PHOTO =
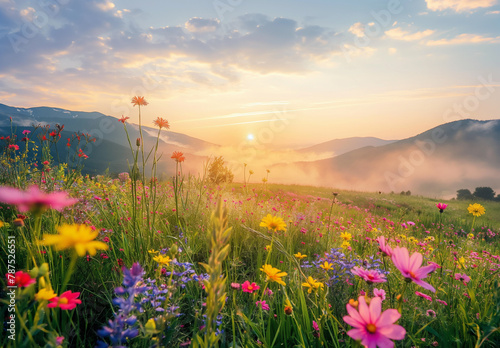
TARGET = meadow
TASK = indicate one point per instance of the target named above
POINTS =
(130, 261)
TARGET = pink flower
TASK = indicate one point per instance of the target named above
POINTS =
(410, 267)
(59, 340)
(26, 132)
(263, 305)
(462, 277)
(15, 147)
(67, 300)
(21, 279)
(370, 276)
(441, 207)
(379, 293)
(235, 286)
(315, 326)
(431, 313)
(250, 288)
(427, 297)
(371, 326)
(385, 248)
(34, 199)
(441, 301)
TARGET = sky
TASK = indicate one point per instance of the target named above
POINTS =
(283, 74)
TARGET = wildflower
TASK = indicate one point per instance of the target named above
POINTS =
(299, 256)
(371, 326)
(235, 286)
(59, 340)
(123, 119)
(249, 287)
(410, 267)
(427, 297)
(178, 156)
(462, 277)
(150, 326)
(441, 207)
(34, 199)
(476, 209)
(441, 301)
(269, 247)
(345, 245)
(25, 132)
(288, 307)
(353, 303)
(152, 251)
(346, 236)
(162, 260)
(263, 305)
(274, 223)
(138, 142)
(461, 262)
(315, 328)
(470, 236)
(21, 279)
(79, 237)
(327, 266)
(67, 300)
(370, 275)
(379, 293)
(45, 294)
(2, 224)
(139, 101)
(162, 123)
(273, 274)
(430, 313)
(312, 284)
(15, 147)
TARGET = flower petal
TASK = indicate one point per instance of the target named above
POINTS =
(395, 332)
(388, 318)
(375, 309)
(415, 261)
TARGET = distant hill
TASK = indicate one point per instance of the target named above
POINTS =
(111, 149)
(460, 154)
(338, 147)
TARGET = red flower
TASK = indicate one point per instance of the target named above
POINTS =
(21, 279)
(178, 156)
(67, 300)
(53, 134)
(123, 119)
(162, 123)
(15, 147)
(139, 101)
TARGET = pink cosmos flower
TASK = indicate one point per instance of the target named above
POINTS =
(26, 132)
(34, 199)
(371, 326)
(410, 267)
(379, 293)
(441, 207)
(250, 288)
(462, 277)
(263, 305)
(427, 297)
(369, 275)
(385, 248)
(67, 300)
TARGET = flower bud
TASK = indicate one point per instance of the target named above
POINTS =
(138, 142)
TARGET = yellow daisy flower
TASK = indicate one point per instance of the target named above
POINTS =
(162, 260)
(327, 266)
(476, 209)
(299, 256)
(312, 284)
(274, 274)
(274, 223)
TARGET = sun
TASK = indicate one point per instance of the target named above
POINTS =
(250, 137)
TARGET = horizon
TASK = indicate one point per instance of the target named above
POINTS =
(284, 74)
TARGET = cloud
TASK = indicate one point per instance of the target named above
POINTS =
(400, 34)
(202, 25)
(458, 5)
(464, 39)
(357, 29)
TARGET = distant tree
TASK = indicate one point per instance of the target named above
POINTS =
(218, 173)
(497, 198)
(485, 193)
(408, 193)
(402, 193)
(464, 195)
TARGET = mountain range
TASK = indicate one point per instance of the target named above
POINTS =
(454, 155)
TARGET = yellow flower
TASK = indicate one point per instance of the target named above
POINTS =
(299, 255)
(45, 294)
(346, 236)
(269, 247)
(150, 326)
(152, 251)
(461, 263)
(470, 236)
(476, 209)
(431, 249)
(79, 237)
(327, 266)
(1, 224)
(345, 245)
(274, 223)
(273, 274)
(402, 236)
(312, 284)
(162, 260)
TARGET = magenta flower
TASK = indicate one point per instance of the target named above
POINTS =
(379, 293)
(384, 248)
(427, 297)
(34, 199)
(410, 267)
(369, 275)
(236, 286)
(250, 288)
(263, 305)
(371, 326)
(441, 207)
(462, 277)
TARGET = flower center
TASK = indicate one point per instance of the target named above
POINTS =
(63, 300)
(371, 328)
(413, 275)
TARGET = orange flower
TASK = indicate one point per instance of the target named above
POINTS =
(123, 119)
(178, 156)
(162, 123)
(139, 101)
